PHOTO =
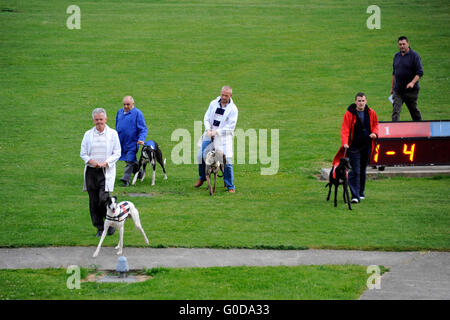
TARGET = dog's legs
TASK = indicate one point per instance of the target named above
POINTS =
(347, 195)
(153, 174)
(164, 169)
(143, 171)
(120, 239)
(135, 178)
(119, 252)
(215, 179)
(161, 162)
(329, 185)
(137, 223)
(138, 171)
(336, 186)
(208, 179)
(344, 193)
(105, 231)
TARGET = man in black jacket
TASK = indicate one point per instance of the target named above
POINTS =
(407, 70)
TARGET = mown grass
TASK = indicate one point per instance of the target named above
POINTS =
(293, 66)
(229, 283)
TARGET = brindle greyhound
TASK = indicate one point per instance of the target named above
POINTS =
(215, 161)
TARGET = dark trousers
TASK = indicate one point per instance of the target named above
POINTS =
(409, 97)
(359, 159)
(95, 184)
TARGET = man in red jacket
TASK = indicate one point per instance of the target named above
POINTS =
(358, 133)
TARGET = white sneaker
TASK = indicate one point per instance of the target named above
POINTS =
(362, 198)
(354, 200)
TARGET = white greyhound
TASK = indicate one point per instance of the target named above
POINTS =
(116, 214)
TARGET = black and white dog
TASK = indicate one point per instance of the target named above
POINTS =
(116, 215)
(151, 153)
(339, 175)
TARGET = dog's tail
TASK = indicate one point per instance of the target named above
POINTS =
(327, 185)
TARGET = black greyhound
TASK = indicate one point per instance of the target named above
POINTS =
(340, 176)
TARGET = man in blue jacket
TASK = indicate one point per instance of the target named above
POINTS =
(132, 130)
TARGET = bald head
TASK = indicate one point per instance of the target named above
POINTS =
(128, 103)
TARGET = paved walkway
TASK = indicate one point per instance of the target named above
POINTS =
(412, 275)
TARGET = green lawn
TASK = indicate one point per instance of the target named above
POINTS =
(294, 66)
(230, 283)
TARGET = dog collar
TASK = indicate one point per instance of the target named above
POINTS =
(123, 213)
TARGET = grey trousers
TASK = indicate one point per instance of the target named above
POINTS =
(128, 171)
(409, 97)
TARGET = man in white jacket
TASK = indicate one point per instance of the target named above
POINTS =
(220, 121)
(100, 150)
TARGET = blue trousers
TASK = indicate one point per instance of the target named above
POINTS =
(228, 175)
(359, 159)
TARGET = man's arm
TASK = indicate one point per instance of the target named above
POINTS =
(392, 84)
(206, 121)
(413, 82)
(345, 129)
(84, 149)
(419, 72)
(142, 129)
(373, 125)
(116, 150)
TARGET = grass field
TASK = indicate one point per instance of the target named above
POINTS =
(294, 66)
(232, 283)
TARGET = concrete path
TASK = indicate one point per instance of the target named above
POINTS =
(412, 275)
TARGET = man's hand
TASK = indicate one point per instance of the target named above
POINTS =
(372, 136)
(212, 133)
(103, 165)
(410, 85)
(93, 163)
(96, 164)
(141, 142)
(346, 146)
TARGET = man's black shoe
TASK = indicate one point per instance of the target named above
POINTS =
(99, 233)
(125, 183)
(111, 231)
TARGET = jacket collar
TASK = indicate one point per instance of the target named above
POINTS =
(352, 108)
(229, 103)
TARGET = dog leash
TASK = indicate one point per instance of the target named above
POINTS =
(213, 144)
(345, 153)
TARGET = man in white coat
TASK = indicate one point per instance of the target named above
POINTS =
(220, 121)
(100, 150)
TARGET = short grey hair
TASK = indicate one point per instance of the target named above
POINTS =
(228, 88)
(98, 111)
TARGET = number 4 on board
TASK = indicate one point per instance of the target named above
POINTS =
(409, 152)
